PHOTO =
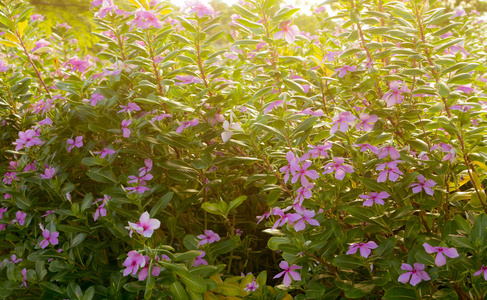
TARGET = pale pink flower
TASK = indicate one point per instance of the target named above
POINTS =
(288, 32)
(24, 277)
(388, 150)
(199, 260)
(27, 139)
(373, 197)
(416, 274)
(301, 172)
(209, 237)
(364, 248)
(198, 7)
(125, 131)
(342, 122)
(366, 122)
(440, 259)
(423, 184)
(251, 286)
(146, 225)
(77, 142)
(145, 19)
(187, 124)
(288, 272)
(343, 70)
(483, 269)
(305, 216)
(132, 262)
(339, 167)
(284, 217)
(48, 173)
(144, 272)
(130, 107)
(105, 152)
(94, 99)
(396, 94)
(49, 237)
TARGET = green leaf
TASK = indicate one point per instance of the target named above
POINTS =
(223, 247)
(193, 282)
(294, 86)
(87, 202)
(78, 239)
(248, 23)
(478, 234)
(399, 293)
(161, 204)
(101, 175)
(178, 291)
(460, 78)
(236, 203)
(346, 262)
(349, 52)
(212, 208)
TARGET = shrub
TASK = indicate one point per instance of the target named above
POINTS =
(139, 172)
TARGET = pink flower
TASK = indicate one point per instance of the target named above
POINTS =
(48, 173)
(106, 7)
(317, 151)
(77, 142)
(160, 117)
(423, 184)
(302, 172)
(452, 152)
(440, 259)
(264, 216)
(125, 131)
(145, 19)
(2, 210)
(199, 8)
(144, 272)
(24, 277)
(199, 260)
(37, 17)
(251, 286)
(305, 216)
(49, 237)
(416, 274)
(209, 237)
(365, 147)
(388, 150)
(48, 212)
(303, 192)
(27, 139)
(366, 122)
(273, 105)
(395, 96)
(94, 99)
(483, 269)
(139, 189)
(372, 197)
(343, 70)
(461, 107)
(284, 217)
(19, 217)
(78, 65)
(288, 273)
(3, 66)
(148, 165)
(187, 79)
(142, 178)
(339, 167)
(129, 108)
(100, 211)
(390, 170)
(40, 44)
(132, 262)
(105, 152)
(14, 259)
(364, 248)
(187, 124)
(146, 225)
(309, 111)
(288, 32)
(46, 121)
(342, 122)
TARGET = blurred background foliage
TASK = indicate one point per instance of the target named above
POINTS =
(77, 14)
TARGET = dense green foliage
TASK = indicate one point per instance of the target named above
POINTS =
(139, 172)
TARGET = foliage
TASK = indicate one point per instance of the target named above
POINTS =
(140, 172)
